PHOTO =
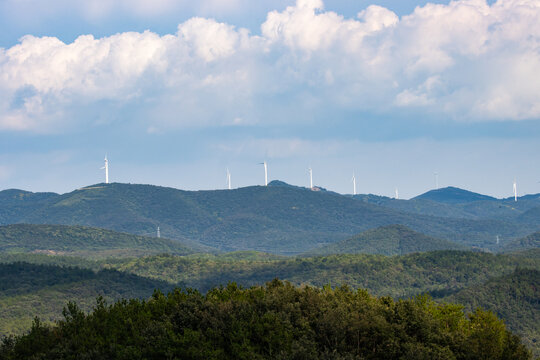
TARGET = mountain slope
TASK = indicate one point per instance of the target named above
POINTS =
(28, 290)
(279, 219)
(528, 242)
(82, 241)
(513, 297)
(387, 240)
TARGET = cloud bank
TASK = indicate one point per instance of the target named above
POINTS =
(464, 61)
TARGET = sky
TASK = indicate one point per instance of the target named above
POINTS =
(176, 92)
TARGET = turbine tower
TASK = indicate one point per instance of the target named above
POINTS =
(228, 179)
(310, 170)
(158, 232)
(397, 194)
(106, 167)
(515, 190)
(265, 172)
(354, 183)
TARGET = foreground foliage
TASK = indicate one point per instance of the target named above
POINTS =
(278, 321)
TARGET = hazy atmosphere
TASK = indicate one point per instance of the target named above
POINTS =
(176, 92)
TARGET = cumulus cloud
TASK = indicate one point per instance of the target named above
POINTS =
(466, 60)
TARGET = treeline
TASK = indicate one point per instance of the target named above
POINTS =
(276, 321)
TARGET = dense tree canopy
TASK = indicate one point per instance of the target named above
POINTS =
(276, 321)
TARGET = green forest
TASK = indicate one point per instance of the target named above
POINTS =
(41, 285)
(275, 321)
(386, 269)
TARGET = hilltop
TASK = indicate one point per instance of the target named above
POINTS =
(83, 241)
(453, 195)
(387, 240)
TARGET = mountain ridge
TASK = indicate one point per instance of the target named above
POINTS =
(278, 219)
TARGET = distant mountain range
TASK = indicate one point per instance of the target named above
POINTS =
(279, 218)
(457, 203)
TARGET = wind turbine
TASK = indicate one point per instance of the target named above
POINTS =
(106, 167)
(515, 190)
(310, 170)
(354, 183)
(228, 179)
(265, 172)
(397, 194)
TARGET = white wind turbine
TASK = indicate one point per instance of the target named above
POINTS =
(228, 179)
(515, 190)
(397, 194)
(265, 172)
(310, 170)
(354, 183)
(106, 167)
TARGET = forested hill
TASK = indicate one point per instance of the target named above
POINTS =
(514, 297)
(276, 321)
(387, 240)
(281, 219)
(528, 242)
(83, 241)
(29, 290)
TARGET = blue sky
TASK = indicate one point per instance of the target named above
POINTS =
(175, 93)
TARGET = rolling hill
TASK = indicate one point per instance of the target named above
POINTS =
(83, 241)
(439, 273)
(387, 240)
(279, 219)
(513, 297)
(28, 290)
(528, 242)
(36, 289)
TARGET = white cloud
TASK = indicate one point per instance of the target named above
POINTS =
(465, 60)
